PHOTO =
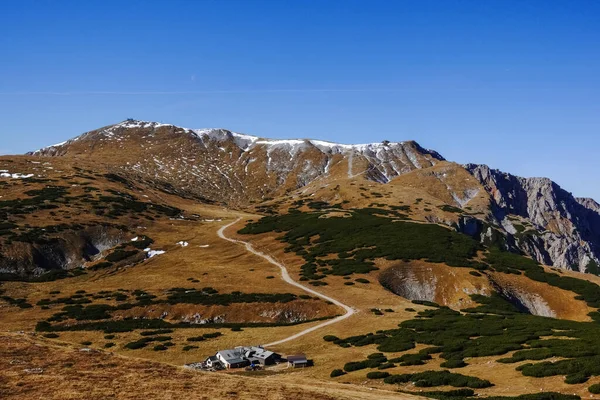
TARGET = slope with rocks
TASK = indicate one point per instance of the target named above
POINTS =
(218, 165)
(533, 216)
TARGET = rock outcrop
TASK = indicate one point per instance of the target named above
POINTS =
(65, 251)
(542, 219)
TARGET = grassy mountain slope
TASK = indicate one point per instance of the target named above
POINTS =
(109, 241)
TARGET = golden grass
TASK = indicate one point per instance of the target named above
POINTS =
(229, 267)
(34, 370)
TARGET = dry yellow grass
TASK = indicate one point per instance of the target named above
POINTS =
(229, 267)
(31, 369)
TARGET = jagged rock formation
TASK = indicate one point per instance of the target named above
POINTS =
(564, 231)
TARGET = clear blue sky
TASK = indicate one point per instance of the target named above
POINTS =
(513, 84)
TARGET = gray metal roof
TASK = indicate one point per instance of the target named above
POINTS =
(241, 354)
(231, 354)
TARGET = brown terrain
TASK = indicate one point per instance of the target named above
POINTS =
(172, 191)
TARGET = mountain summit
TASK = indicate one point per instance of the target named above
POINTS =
(224, 166)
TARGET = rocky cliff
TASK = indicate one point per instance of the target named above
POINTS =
(543, 219)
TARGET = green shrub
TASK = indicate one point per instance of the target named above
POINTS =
(21, 303)
(51, 335)
(412, 359)
(453, 363)
(355, 366)
(381, 231)
(336, 373)
(138, 344)
(439, 378)
(156, 332)
(595, 388)
(456, 394)
(426, 303)
(109, 345)
(576, 378)
(377, 375)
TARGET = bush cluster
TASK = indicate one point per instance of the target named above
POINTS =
(439, 378)
(314, 238)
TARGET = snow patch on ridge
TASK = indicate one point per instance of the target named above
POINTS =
(152, 253)
(246, 142)
(5, 174)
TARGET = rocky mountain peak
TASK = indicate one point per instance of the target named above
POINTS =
(566, 230)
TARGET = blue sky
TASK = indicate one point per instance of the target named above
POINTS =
(512, 84)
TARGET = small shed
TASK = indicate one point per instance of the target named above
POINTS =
(297, 361)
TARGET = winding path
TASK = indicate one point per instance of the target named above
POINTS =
(286, 277)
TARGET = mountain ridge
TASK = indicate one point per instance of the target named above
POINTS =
(222, 133)
(534, 215)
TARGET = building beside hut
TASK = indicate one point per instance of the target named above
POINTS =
(241, 356)
(297, 361)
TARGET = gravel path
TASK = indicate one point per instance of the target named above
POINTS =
(286, 277)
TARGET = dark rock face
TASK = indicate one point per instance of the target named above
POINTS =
(566, 230)
(66, 251)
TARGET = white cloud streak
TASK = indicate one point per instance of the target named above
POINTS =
(142, 93)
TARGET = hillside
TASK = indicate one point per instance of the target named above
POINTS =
(534, 216)
(392, 268)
